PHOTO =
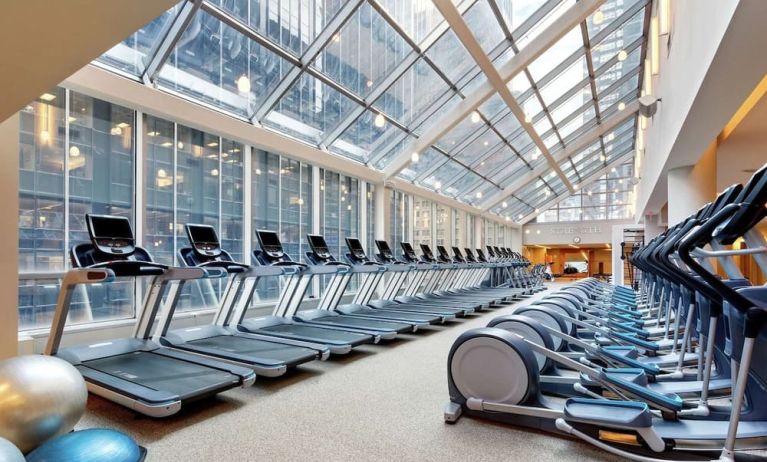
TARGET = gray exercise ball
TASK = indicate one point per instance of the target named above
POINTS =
(40, 397)
(9, 452)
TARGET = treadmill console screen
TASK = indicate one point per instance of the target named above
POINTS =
(481, 255)
(355, 247)
(457, 252)
(204, 239)
(385, 250)
(469, 254)
(443, 253)
(490, 251)
(426, 251)
(319, 246)
(408, 252)
(110, 234)
(270, 243)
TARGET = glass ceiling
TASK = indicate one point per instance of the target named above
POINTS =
(363, 79)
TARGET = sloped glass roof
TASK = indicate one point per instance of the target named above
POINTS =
(364, 79)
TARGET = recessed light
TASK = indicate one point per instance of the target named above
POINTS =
(47, 97)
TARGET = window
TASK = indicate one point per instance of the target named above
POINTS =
(76, 157)
(185, 171)
(443, 228)
(281, 201)
(423, 223)
(399, 213)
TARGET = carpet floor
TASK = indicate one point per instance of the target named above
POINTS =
(381, 402)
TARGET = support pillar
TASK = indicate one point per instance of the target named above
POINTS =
(9, 244)
(690, 187)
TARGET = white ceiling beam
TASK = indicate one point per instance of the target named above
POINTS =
(586, 182)
(573, 148)
(548, 37)
(466, 36)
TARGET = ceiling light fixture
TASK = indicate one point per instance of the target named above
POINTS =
(437, 184)
(475, 117)
(414, 157)
(243, 84)
(379, 120)
(622, 55)
(528, 119)
(598, 17)
(214, 172)
(504, 204)
(47, 97)
(621, 106)
(479, 195)
(74, 151)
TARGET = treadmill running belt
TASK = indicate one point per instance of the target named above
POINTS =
(325, 335)
(162, 373)
(360, 323)
(257, 349)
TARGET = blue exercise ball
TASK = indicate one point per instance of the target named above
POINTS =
(92, 445)
(9, 452)
(41, 397)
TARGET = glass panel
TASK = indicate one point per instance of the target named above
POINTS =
(606, 14)
(131, 55)
(565, 81)
(428, 160)
(564, 47)
(414, 92)
(159, 180)
(477, 148)
(458, 135)
(608, 76)
(291, 24)
(365, 135)
(232, 198)
(399, 210)
(364, 52)
(215, 64)
(541, 25)
(308, 109)
(443, 226)
(450, 56)
(484, 25)
(422, 223)
(417, 17)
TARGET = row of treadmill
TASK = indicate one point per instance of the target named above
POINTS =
(669, 372)
(160, 369)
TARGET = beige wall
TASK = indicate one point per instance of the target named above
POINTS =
(9, 230)
(589, 232)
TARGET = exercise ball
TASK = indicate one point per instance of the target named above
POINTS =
(40, 397)
(93, 445)
(9, 452)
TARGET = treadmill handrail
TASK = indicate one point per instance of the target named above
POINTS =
(71, 279)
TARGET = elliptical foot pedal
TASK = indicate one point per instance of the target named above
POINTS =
(452, 412)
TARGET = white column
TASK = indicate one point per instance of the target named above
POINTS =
(9, 244)
(382, 218)
(690, 187)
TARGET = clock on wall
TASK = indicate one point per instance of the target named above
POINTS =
(576, 240)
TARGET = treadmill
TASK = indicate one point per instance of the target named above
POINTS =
(407, 301)
(267, 356)
(135, 372)
(319, 260)
(281, 322)
(369, 283)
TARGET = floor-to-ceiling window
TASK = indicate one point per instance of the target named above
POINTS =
(399, 213)
(281, 201)
(76, 157)
(423, 223)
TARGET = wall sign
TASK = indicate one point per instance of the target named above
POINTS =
(564, 230)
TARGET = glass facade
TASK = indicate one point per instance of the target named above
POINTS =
(364, 80)
(608, 198)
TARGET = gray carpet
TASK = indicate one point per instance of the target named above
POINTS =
(383, 402)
